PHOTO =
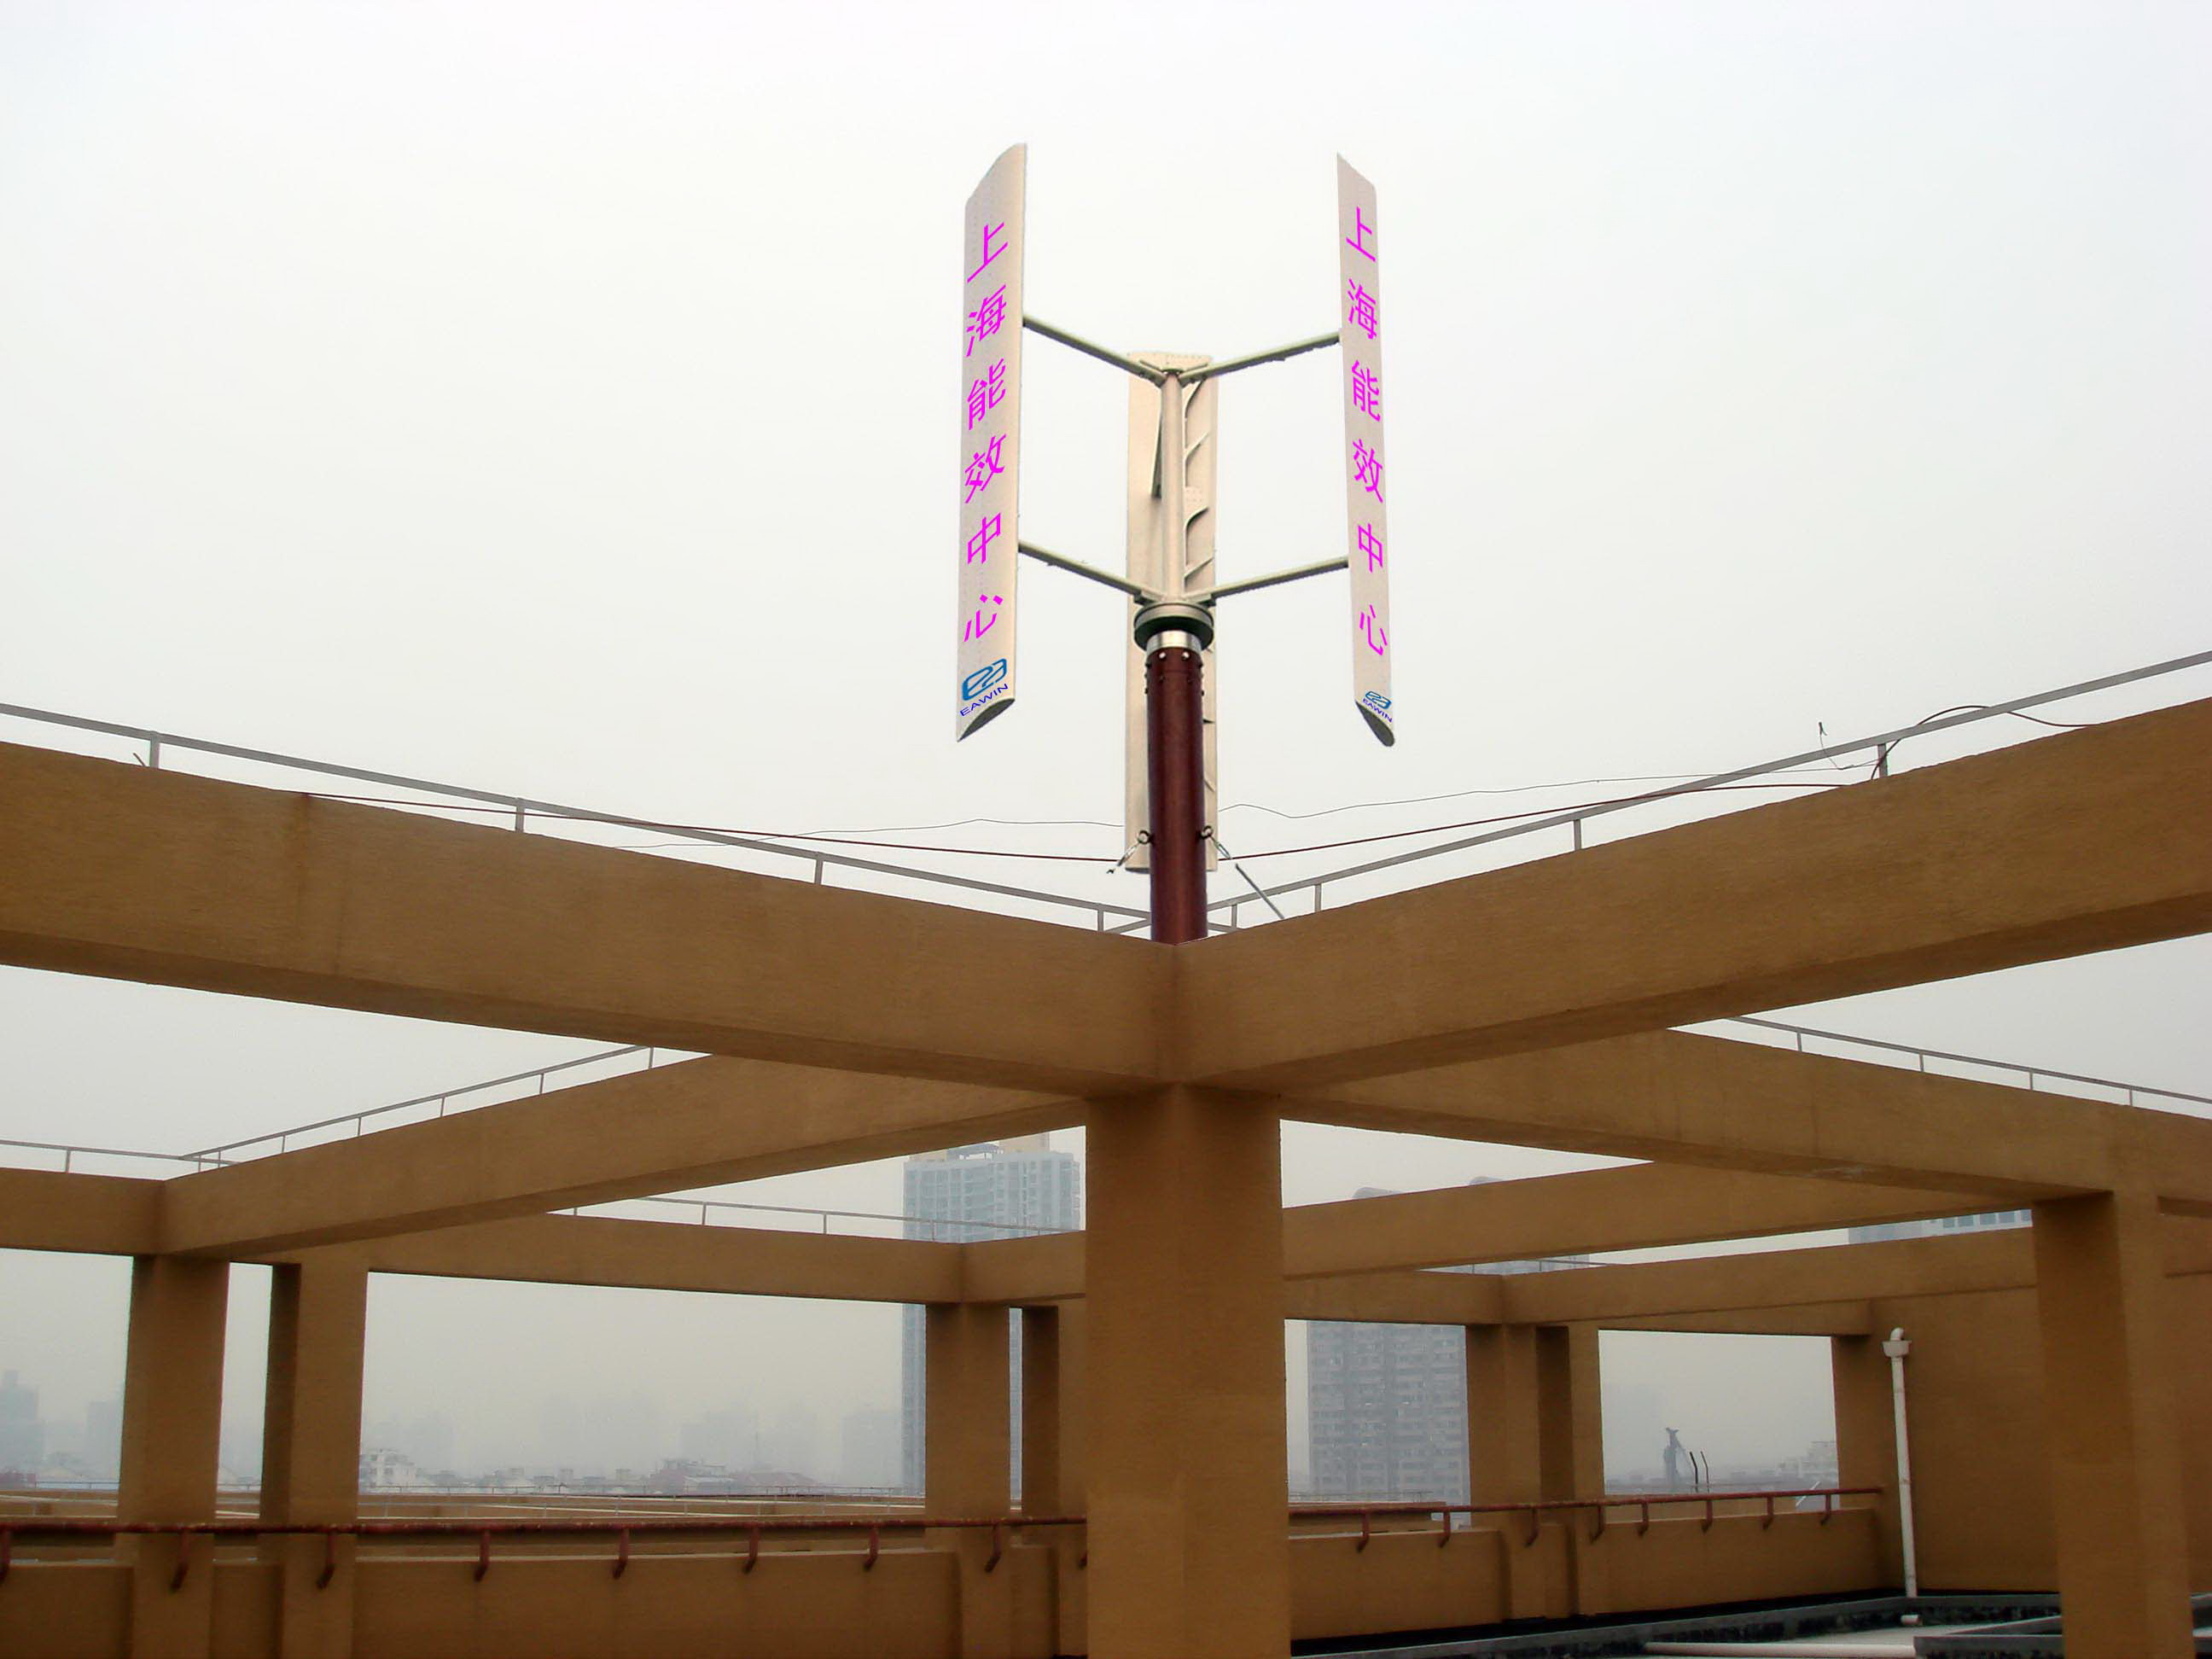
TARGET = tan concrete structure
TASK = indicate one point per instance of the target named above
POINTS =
(1186, 1481)
(2061, 1412)
(311, 1447)
(172, 1430)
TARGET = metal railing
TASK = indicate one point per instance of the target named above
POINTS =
(935, 1224)
(705, 1208)
(2034, 1078)
(1366, 1514)
(2034, 1074)
(1572, 818)
(482, 1532)
(442, 1098)
(70, 1153)
(523, 808)
(623, 1530)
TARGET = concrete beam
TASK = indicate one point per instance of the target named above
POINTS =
(1047, 1267)
(2082, 841)
(561, 1250)
(1947, 1264)
(696, 1123)
(1399, 1298)
(1708, 1100)
(171, 880)
(1638, 1206)
(1812, 1319)
(89, 1214)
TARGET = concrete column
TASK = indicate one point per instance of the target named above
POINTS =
(1504, 1452)
(967, 1443)
(1052, 1440)
(1503, 1446)
(2122, 1544)
(311, 1449)
(968, 1459)
(1866, 1437)
(172, 1430)
(1052, 1410)
(1571, 1419)
(1188, 1471)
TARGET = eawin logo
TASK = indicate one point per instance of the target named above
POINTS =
(983, 679)
(1378, 702)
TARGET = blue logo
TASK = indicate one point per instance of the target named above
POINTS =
(1378, 702)
(983, 678)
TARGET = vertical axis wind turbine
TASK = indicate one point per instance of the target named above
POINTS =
(1170, 583)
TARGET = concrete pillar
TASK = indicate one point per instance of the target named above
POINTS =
(172, 1432)
(1571, 1419)
(1188, 1471)
(1504, 1447)
(1053, 1441)
(967, 1443)
(1052, 1409)
(968, 1459)
(1866, 1437)
(1570, 1455)
(311, 1449)
(1504, 1452)
(2122, 1544)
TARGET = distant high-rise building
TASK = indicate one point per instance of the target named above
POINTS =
(1386, 1404)
(1939, 1224)
(964, 1196)
(22, 1437)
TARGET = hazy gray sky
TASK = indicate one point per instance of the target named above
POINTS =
(559, 399)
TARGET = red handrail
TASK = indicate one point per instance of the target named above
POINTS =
(621, 1527)
(1535, 1508)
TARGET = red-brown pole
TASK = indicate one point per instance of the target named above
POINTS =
(1175, 735)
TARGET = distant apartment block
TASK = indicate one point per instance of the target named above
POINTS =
(1386, 1404)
